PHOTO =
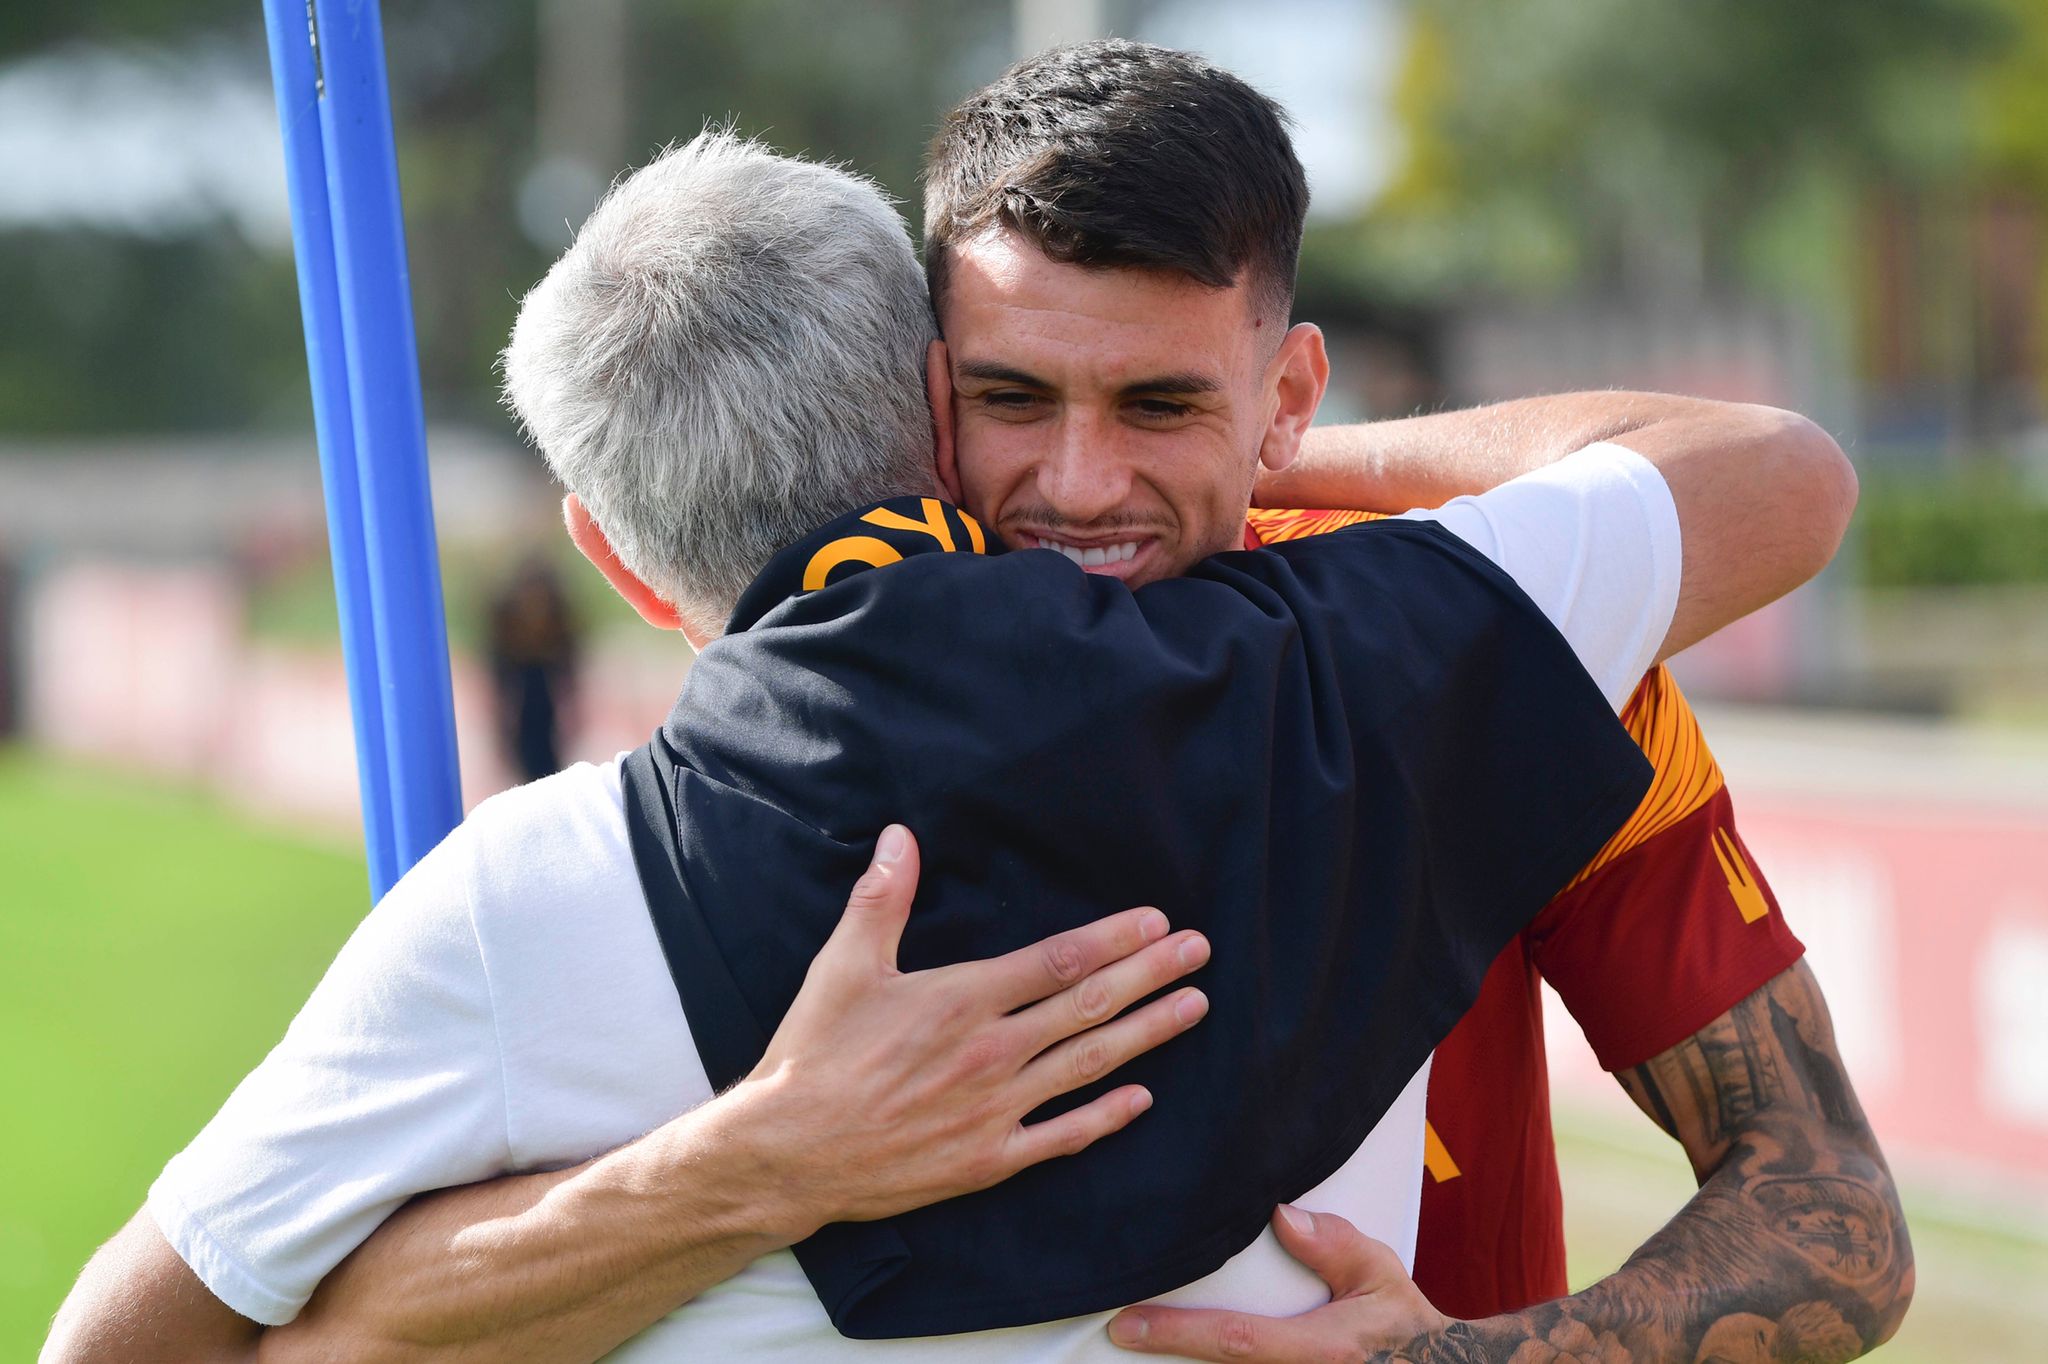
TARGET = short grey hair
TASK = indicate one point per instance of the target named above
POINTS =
(730, 355)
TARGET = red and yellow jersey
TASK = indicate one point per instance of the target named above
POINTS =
(1271, 525)
(1668, 927)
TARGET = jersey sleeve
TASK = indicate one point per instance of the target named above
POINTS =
(1594, 541)
(1672, 923)
(387, 1084)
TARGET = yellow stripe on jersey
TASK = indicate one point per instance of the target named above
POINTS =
(1657, 715)
(1436, 1157)
(1274, 524)
(1687, 777)
(1742, 882)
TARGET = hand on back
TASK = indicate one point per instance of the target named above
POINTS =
(884, 1091)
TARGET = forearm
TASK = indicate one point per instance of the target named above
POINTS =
(559, 1266)
(1795, 1238)
(1426, 461)
(861, 1109)
(1814, 1265)
(1763, 496)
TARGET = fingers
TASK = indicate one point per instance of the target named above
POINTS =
(1226, 1337)
(1084, 1059)
(1074, 1132)
(1344, 1257)
(1348, 1260)
(879, 906)
(1106, 993)
(1047, 967)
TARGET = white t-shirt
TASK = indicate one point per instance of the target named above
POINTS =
(507, 1008)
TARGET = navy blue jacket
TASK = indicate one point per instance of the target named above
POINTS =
(1359, 763)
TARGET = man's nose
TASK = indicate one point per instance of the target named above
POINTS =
(1082, 476)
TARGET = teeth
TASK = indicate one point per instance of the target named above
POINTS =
(1096, 557)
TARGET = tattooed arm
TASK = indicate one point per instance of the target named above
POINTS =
(1793, 1251)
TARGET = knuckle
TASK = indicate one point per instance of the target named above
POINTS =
(869, 891)
(1238, 1337)
(1090, 1059)
(1073, 1138)
(952, 1008)
(979, 1054)
(1092, 1001)
(1063, 960)
(982, 1169)
(988, 1111)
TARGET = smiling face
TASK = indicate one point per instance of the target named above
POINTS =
(1117, 415)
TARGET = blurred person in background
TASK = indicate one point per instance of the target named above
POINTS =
(1045, 281)
(534, 644)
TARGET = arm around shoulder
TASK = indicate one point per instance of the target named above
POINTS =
(1763, 498)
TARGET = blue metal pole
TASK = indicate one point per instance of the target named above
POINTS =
(390, 430)
(405, 713)
(296, 79)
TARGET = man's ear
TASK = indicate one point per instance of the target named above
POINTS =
(938, 387)
(596, 546)
(1298, 375)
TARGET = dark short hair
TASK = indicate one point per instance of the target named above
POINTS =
(1122, 154)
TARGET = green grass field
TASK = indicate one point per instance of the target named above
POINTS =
(153, 945)
(152, 948)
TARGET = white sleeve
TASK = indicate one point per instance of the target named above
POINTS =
(1594, 540)
(387, 1084)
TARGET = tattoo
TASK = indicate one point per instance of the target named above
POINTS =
(1794, 1251)
(1839, 1224)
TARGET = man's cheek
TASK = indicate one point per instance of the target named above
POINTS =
(981, 494)
(993, 465)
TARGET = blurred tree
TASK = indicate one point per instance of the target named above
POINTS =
(862, 83)
(2013, 111)
(107, 332)
(32, 27)
(199, 328)
(1878, 170)
(200, 331)
(2013, 149)
(1630, 146)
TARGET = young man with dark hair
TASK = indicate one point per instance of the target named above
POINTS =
(1095, 202)
(1083, 417)
(1123, 155)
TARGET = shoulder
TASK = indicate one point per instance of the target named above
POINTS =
(547, 833)
(587, 1018)
(579, 800)
(1379, 585)
(536, 861)
(514, 849)
(1275, 525)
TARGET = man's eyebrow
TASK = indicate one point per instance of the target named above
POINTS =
(1001, 374)
(1185, 383)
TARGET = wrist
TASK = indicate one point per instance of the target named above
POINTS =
(731, 1166)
